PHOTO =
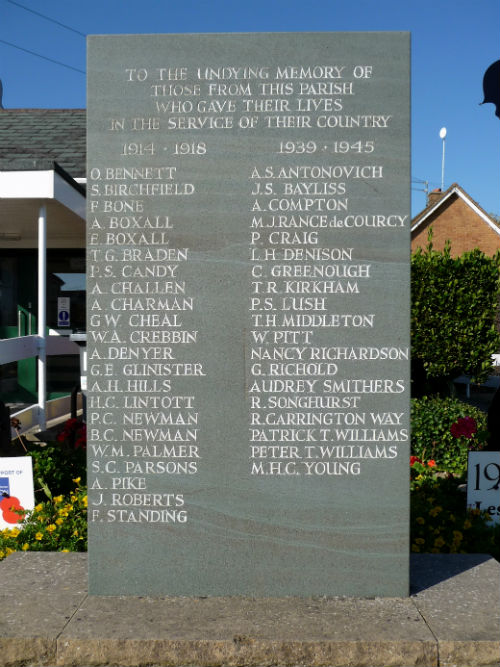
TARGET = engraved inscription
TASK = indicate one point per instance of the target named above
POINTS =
(248, 344)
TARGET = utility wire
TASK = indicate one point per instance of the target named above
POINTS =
(39, 55)
(47, 18)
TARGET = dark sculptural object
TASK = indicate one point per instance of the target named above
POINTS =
(491, 86)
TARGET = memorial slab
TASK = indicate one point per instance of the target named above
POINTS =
(248, 305)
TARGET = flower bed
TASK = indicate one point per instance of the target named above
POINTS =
(57, 524)
(440, 521)
(59, 520)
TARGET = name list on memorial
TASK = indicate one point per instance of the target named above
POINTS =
(248, 299)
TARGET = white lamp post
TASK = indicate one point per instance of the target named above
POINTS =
(442, 134)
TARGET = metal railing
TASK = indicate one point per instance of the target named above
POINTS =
(25, 347)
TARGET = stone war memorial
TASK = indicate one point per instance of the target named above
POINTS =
(248, 314)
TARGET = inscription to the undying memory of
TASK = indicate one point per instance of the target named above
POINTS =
(248, 314)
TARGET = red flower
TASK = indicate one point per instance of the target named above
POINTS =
(74, 430)
(81, 442)
(414, 459)
(464, 426)
(11, 509)
(431, 463)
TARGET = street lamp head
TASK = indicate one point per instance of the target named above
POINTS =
(442, 132)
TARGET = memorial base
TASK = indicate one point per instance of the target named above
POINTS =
(47, 618)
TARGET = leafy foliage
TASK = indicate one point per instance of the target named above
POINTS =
(57, 524)
(59, 520)
(454, 309)
(56, 464)
(441, 523)
(432, 419)
(54, 468)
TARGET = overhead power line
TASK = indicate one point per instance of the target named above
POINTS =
(39, 55)
(47, 18)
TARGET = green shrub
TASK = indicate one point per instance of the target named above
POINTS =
(59, 520)
(432, 418)
(441, 522)
(56, 464)
(54, 468)
(57, 524)
(453, 313)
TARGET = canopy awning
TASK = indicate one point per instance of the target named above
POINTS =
(22, 192)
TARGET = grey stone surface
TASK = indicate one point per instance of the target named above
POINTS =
(39, 593)
(248, 631)
(310, 496)
(459, 598)
(48, 620)
(45, 573)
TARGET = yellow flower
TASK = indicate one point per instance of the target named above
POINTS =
(435, 510)
(77, 480)
(25, 546)
(51, 528)
(439, 542)
(39, 536)
(14, 532)
(8, 551)
(467, 524)
(2, 554)
(457, 535)
(59, 521)
(58, 499)
(420, 540)
(75, 533)
(39, 507)
(66, 551)
(85, 501)
(415, 548)
(420, 520)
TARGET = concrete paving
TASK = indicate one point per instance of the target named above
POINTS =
(451, 618)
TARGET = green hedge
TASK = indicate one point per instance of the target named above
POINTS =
(431, 438)
(454, 311)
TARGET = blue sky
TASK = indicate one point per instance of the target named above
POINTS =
(453, 42)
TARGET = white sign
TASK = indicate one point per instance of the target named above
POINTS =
(63, 310)
(483, 483)
(16, 489)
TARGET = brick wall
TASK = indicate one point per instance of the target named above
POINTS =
(456, 221)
